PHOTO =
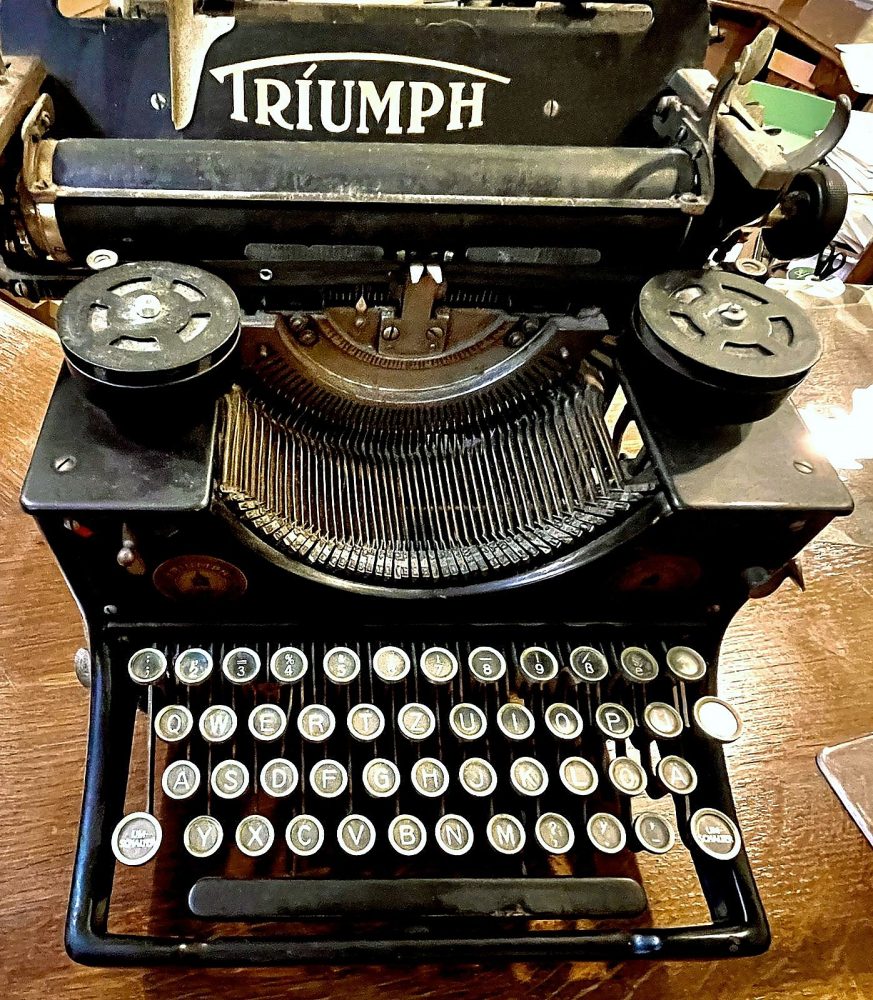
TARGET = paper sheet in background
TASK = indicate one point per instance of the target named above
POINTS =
(848, 768)
(858, 63)
(853, 158)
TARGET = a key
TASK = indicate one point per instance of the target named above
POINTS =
(486, 664)
(381, 778)
(627, 776)
(416, 721)
(267, 722)
(279, 777)
(217, 723)
(366, 722)
(328, 778)
(686, 663)
(537, 665)
(241, 665)
(407, 834)
(136, 838)
(356, 834)
(606, 832)
(554, 833)
(173, 723)
(578, 775)
(528, 776)
(430, 777)
(391, 664)
(341, 665)
(229, 779)
(289, 664)
(677, 775)
(588, 664)
(193, 666)
(638, 665)
(181, 779)
(467, 722)
(563, 721)
(614, 721)
(304, 835)
(438, 665)
(477, 776)
(715, 834)
(654, 833)
(254, 835)
(662, 721)
(515, 721)
(454, 834)
(203, 836)
(147, 666)
(505, 834)
(717, 719)
(316, 723)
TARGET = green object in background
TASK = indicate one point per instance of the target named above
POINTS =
(798, 114)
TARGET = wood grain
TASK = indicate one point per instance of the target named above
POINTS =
(797, 665)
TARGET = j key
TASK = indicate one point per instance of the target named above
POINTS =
(203, 836)
(537, 665)
(366, 722)
(563, 721)
(288, 664)
(454, 834)
(505, 834)
(279, 777)
(254, 835)
(217, 723)
(181, 779)
(267, 722)
(341, 665)
(147, 666)
(304, 835)
(416, 722)
(193, 666)
(136, 838)
(407, 834)
(316, 723)
(477, 776)
(627, 776)
(638, 665)
(685, 663)
(715, 834)
(554, 833)
(241, 666)
(662, 721)
(578, 775)
(381, 778)
(430, 777)
(654, 833)
(486, 664)
(717, 719)
(391, 664)
(515, 721)
(174, 723)
(467, 721)
(606, 833)
(438, 665)
(230, 779)
(614, 721)
(356, 834)
(588, 664)
(528, 776)
(328, 778)
(677, 775)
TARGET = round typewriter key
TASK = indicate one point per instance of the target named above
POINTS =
(254, 835)
(467, 721)
(505, 834)
(267, 722)
(193, 666)
(203, 836)
(677, 775)
(304, 835)
(341, 665)
(147, 666)
(438, 665)
(279, 777)
(136, 838)
(662, 720)
(356, 834)
(217, 723)
(528, 776)
(486, 664)
(578, 775)
(715, 834)
(366, 722)
(328, 778)
(477, 776)
(407, 834)
(717, 719)
(390, 663)
(538, 665)
(230, 779)
(174, 723)
(554, 833)
(627, 776)
(638, 665)
(654, 833)
(241, 666)
(316, 723)
(563, 721)
(288, 664)
(606, 833)
(614, 721)
(416, 721)
(454, 834)
(515, 721)
(430, 777)
(588, 664)
(181, 779)
(686, 663)
(381, 778)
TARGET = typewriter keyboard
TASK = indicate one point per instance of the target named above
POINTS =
(297, 779)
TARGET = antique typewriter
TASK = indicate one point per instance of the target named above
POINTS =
(415, 446)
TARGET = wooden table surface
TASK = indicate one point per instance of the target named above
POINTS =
(799, 667)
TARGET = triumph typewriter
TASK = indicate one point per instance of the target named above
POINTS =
(415, 446)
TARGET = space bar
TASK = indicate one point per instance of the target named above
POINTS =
(290, 898)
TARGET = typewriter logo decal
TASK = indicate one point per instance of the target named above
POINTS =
(307, 98)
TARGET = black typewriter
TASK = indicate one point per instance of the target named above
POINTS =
(415, 446)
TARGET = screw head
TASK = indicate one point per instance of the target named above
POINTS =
(265, 274)
(391, 333)
(158, 101)
(307, 337)
(551, 109)
(99, 260)
(64, 463)
(732, 313)
(514, 338)
(148, 306)
(801, 465)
